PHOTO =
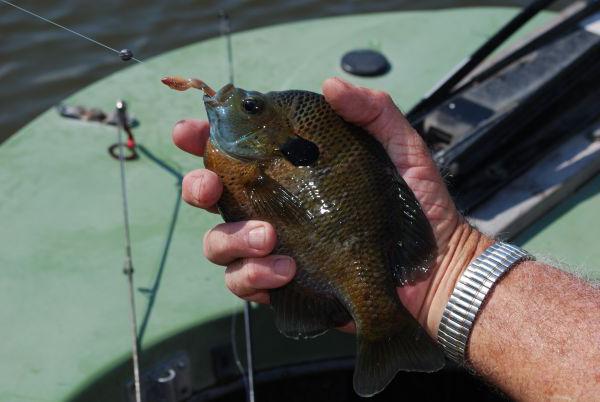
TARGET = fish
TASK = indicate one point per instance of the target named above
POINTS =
(340, 209)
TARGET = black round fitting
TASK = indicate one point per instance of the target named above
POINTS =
(365, 63)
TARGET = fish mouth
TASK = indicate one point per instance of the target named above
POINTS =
(214, 105)
(220, 97)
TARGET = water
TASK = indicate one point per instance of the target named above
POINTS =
(41, 64)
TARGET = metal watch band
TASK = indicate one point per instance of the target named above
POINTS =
(470, 292)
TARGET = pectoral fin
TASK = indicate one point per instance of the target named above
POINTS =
(271, 200)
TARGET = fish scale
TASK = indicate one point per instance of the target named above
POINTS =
(340, 210)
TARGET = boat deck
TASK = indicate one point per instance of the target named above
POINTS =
(65, 314)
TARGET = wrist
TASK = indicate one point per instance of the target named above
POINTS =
(465, 244)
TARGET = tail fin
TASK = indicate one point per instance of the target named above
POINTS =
(378, 361)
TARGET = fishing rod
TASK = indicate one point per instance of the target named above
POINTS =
(125, 55)
(225, 27)
(128, 263)
(122, 126)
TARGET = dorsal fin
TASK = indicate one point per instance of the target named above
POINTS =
(413, 247)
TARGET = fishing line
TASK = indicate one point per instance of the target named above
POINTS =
(126, 55)
(119, 52)
(225, 28)
(128, 263)
(236, 355)
(249, 358)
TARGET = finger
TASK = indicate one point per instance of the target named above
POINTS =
(227, 242)
(412, 296)
(202, 188)
(261, 297)
(368, 108)
(250, 278)
(191, 135)
(376, 112)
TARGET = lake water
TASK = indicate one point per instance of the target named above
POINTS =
(41, 64)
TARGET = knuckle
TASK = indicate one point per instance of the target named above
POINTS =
(252, 271)
(207, 191)
(232, 285)
(206, 245)
(382, 97)
(201, 188)
(187, 188)
(215, 244)
(221, 227)
(231, 281)
(202, 199)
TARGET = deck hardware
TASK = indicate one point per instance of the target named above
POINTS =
(365, 63)
(129, 150)
(168, 381)
(595, 134)
(223, 362)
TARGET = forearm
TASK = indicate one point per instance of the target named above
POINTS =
(537, 337)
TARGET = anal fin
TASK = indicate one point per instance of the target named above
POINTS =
(300, 313)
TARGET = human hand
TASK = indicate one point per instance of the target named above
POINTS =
(244, 247)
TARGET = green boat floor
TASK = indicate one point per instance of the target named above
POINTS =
(567, 236)
(65, 313)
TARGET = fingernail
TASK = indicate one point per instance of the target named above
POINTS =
(283, 267)
(179, 122)
(256, 237)
(197, 187)
(342, 81)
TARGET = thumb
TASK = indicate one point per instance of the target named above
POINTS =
(376, 112)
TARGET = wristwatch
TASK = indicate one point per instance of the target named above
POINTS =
(470, 292)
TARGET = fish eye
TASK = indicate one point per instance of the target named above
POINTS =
(252, 105)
